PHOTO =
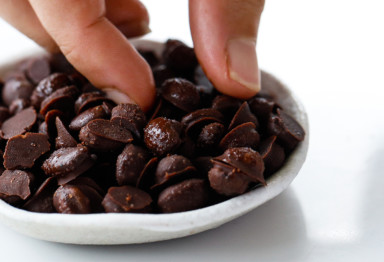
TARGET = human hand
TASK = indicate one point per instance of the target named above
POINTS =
(93, 37)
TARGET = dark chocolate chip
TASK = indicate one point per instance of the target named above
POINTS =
(227, 180)
(64, 138)
(97, 112)
(146, 178)
(104, 135)
(62, 99)
(36, 69)
(181, 93)
(162, 135)
(173, 167)
(202, 80)
(243, 115)
(272, 153)
(42, 200)
(47, 86)
(149, 56)
(196, 120)
(179, 57)
(19, 123)
(89, 100)
(262, 107)
(50, 120)
(244, 135)
(22, 151)
(288, 131)
(187, 195)
(210, 136)
(19, 105)
(245, 160)
(226, 105)
(127, 199)
(15, 89)
(59, 63)
(129, 116)
(15, 185)
(130, 163)
(68, 163)
(161, 73)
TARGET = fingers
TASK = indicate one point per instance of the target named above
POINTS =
(224, 34)
(20, 14)
(97, 49)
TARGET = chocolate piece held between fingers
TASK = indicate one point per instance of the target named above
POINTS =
(181, 93)
(22, 151)
(129, 116)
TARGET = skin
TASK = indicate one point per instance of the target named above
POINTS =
(79, 30)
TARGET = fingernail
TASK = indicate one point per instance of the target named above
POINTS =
(242, 62)
(134, 28)
(117, 96)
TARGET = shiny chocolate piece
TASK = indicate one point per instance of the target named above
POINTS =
(22, 151)
(262, 107)
(288, 131)
(196, 120)
(129, 116)
(76, 199)
(127, 199)
(130, 163)
(210, 136)
(50, 121)
(179, 57)
(243, 115)
(68, 163)
(42, 200)
(47, 86)
(245, 160)
(227, 180)
(16, 89)
(104, 135)
(19, 123)
(64, 138)
(89, 100)
(15, 185)
(97, 112)
(162, 135)
(187, 195)
(173, 167)
(62, 99)
(226, 105)
(244, 135)
(18, 105)
(272, 153)
(181, 93)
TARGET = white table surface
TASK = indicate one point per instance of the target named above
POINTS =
(330, 53)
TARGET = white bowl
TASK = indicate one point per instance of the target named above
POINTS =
(113, 228)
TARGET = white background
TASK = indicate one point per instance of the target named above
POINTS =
(330, 52)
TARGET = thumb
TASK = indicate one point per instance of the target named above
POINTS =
(224, 33)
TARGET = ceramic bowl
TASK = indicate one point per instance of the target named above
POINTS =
(110, 229)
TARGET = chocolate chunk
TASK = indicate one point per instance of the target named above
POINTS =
(227, 180)
(64, 138)
(97, 112)
(22, 151)
(161, 73)
(47, 86)
(127, 199)
(173, 167)
(181, 93)
(36, 69)
(68, 163)
(50, 120)
(62, 99)
(42, 200)
(245, 160)
(89, 100)
(244, 135)
(226, 105)
(104, 135)
(262, 107)
(15, 185)
(70, 199)
(15, 89)
(19, 123)
(196, 120)
(19, 105)
(129, 116)
(210, 136)
(272, 153)
(243, 115)
(179, 57)
(130, 163)
(184, 196)
(162, 135)
(288, 131)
